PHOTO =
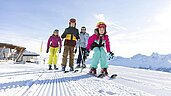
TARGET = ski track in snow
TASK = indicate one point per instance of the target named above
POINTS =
(42, 82)
(154, 82)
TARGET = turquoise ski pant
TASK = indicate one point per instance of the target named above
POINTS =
(99, 56)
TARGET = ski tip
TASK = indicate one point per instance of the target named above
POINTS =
(66, 71)
(114, 76)
(100, 76)
(75, 71)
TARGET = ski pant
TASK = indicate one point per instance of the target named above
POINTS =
(53, 55)
(70, 50)
(99, 55)
(81, 55)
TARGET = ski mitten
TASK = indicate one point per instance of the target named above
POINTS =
(75, 51)
(110, 55)
(60, 50)
(47, 50)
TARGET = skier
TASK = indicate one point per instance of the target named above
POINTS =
(54, 44)
(81, 44)
(97, 42)
(71, 35)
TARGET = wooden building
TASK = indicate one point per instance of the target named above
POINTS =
(11, 52)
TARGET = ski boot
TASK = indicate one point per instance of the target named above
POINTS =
(71, 69)
(92, 71)
(63, 68)
(55, 67)
(104, 71)
(50, 67)
(78, 66)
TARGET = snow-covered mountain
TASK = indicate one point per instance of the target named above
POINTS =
(153, 62)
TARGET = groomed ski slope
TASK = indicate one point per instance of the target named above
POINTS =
(36, 80)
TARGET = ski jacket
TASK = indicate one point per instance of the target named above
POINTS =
(82, 42)
(71, 35)
(94, 41)
(54, 41)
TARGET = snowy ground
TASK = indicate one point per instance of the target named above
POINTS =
(36, 80)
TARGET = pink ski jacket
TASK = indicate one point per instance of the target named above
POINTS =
(95, 37)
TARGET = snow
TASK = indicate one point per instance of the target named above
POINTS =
(35, 80)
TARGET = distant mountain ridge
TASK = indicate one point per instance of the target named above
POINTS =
(153, 62)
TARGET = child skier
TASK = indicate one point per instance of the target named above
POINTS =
(71, 35)
(54, 44)
(97, 42)
(81, 44)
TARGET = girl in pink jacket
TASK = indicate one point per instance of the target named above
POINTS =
(97, 42)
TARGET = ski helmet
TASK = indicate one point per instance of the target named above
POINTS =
(72, 20)
(56, 30)
(101, 25)
(83, 28)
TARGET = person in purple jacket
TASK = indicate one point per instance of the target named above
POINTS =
(54, 45)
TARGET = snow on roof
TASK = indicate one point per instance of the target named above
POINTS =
(28, 53)
(11, 46)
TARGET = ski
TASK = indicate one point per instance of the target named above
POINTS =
(53, 71)
(71, 71)
(98, 76)
(113, 76)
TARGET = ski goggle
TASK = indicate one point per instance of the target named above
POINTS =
(56, 31)
(101, 26)
(72, 20)
(83, 28)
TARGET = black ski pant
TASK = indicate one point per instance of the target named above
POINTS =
(82, 54)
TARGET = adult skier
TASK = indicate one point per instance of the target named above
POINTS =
(81, 44)
(54, 45)
(71, 35)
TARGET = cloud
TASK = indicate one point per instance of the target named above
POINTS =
(101, 17)
(30, 43)
(146, 40)
(164, 18)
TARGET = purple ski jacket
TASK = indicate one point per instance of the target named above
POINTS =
(54, 41)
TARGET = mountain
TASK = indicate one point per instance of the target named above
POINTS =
(153, 62)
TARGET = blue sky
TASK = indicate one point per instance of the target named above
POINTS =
(134, 26)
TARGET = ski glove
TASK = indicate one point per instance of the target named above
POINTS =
(75, 51)
(47, 50)
(110, 55)
(59, 50)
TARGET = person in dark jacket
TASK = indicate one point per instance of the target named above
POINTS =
(71, 35)
(54, 44)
